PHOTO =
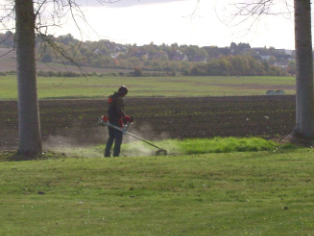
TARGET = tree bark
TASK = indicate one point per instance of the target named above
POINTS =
(304, 70)
(28, 110)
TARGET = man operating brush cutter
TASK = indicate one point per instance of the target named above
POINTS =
(118, 123)
(126, 122)
(116, 117)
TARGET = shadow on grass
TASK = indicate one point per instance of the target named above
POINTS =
(16, 156)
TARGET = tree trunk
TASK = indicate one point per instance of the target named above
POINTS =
(28, 111)
(304, 70)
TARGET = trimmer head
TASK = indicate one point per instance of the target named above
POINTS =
(161, 152)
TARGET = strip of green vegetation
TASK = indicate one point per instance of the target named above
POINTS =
(183, 147)
(202, 146)
(99, 87)
(225, 145)
(253, 193)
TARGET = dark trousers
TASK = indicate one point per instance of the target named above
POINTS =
(116, 137)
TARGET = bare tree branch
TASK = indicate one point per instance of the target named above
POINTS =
(108, 1)
(8, 52)
(195, 10)
(50, 14)
(254, 10)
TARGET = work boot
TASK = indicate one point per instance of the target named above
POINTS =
(116, 152)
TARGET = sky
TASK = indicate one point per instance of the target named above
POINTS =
(189, 22)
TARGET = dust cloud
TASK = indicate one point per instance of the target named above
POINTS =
(91, 142)
(77, 141)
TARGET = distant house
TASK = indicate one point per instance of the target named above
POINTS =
(290, 52)
(258, 49)
(97, 51)
(281, 64)
(115, 55)
(179, 56)
(119, 49)
(265, 57)
(282, 51)
(140, 55)
(248, 49)
(160, 55)
(200, 59)
(110, 47)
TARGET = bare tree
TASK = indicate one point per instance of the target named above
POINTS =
(28, 111)
(252, 11)
(28, 22)
(34, 17)
(304, 70)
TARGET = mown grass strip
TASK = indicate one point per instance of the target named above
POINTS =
(253, 193)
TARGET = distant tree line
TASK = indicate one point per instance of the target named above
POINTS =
(238, 59)
(236, 66)
(137, 72)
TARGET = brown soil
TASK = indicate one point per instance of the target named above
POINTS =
(74, 121)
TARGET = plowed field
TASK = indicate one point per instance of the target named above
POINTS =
(74, 121)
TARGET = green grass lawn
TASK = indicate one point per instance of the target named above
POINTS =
(98, 87)
(237, 193)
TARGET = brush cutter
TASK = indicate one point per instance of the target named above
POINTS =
(104, 121)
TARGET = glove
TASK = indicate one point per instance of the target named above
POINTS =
(127, 119)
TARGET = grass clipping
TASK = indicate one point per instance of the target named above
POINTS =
(179, 147)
